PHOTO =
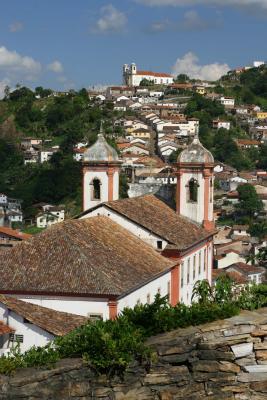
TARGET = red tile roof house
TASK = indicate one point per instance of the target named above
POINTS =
(249, 272)
(32, 325)
(174, 236)
(10, 237)
(89, 267)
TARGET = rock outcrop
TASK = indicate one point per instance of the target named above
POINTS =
(221, 360)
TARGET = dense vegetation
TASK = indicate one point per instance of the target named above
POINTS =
(109, 346)
(249, 87)
(222, 142)
(63, 121)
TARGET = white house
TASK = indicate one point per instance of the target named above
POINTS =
(45, 155)
(133, 77)
(167, 148)
(218, 124)
(49, 217)
(228, 102)
(28, 325)
(228, 257)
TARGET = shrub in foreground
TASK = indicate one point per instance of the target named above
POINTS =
(109, 346)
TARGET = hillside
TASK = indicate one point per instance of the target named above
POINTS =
(63, 120)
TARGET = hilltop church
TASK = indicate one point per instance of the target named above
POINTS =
(119, 253)
(133, 77)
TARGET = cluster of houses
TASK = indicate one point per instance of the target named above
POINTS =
(10, 210)
(36, 151)
(117, 253)
(120, 252)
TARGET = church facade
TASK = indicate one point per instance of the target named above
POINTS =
(133, 77)
(119, 253)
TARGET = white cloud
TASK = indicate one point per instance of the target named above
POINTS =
(56, 67)
(111, 20)
(13, 63)
(193, 21)
(15, 26)
(161, 26)
(189, 64)
(238, 3)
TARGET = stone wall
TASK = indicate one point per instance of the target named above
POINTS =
(222, 360)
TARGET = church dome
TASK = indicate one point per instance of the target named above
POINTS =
(195, 153)
(100, 151)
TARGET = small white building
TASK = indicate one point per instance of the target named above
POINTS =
(45, 155)
(27, 325)
(167, 148)
(218, 124)
(227, 102)
(50, 217)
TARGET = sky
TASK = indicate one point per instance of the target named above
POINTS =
(65, 44)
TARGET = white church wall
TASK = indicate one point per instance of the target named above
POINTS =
(188, 277)
(89, 176)
(132, 227)
(116, 185)
(85, 306)
(147, 293)
(31, 335)
(192, 210)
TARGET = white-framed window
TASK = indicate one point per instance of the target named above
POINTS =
(182, 274)
(188, 270)
(194, 266)
(16, 338)
(95, 316)
(148, 298)
(205, 259)
(199, 262)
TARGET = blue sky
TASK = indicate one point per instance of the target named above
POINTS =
(66, 43)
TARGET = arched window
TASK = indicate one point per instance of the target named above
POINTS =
(96, 189)
(192, 190)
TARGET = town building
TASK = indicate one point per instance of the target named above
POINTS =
(10, 210)
(49, 216)
(227, 102)
(30, 325)
(118, 253)
(10, 237)
(132, 76)
(218, 124)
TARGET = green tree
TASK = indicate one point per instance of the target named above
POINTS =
(249, 202)
(182, 78)
(146, 82)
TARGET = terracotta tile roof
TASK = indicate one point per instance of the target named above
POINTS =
(153, 214)
(151, 160)
(4, 329)
(93, 256)
(247, 142)
(247, 269)
(156, 74)
(14, 233)
(235, 276)
(56, 322)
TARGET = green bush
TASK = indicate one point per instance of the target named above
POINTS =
(109, 346)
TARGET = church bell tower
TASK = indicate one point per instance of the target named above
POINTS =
(195, 181)
(101, 166)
